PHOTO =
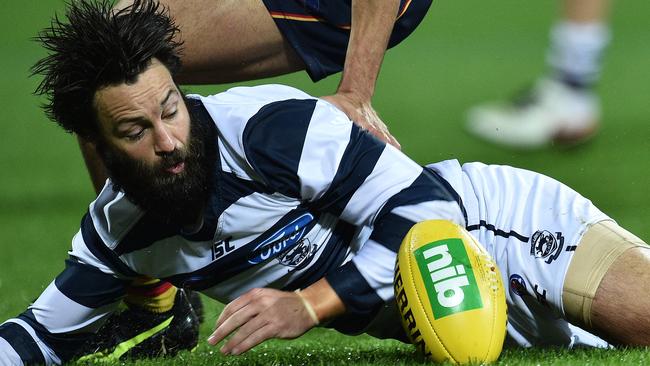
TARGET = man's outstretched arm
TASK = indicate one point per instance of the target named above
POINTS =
(372, 24)
(307, 149)
(264, 313)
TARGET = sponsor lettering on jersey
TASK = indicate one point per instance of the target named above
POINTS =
(448, 277)
(221, 247)
(283, 239)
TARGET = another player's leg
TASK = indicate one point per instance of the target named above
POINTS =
(607, 283)
(562, 105)
(228, 41)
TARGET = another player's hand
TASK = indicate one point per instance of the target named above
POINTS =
(258, 315)
(362, 113)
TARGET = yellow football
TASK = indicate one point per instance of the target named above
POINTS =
(450, 294)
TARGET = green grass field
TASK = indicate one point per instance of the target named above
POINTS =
(463, 53)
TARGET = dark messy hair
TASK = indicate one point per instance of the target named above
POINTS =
(98, 47)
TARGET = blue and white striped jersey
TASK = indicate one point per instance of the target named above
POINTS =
(301, 193)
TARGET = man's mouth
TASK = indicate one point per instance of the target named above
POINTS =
(176, 168)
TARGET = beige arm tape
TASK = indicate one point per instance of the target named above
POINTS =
(599, 248)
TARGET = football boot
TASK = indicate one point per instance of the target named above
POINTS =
(138, 333)
(550, 112)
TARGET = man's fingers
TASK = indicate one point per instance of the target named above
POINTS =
(244, 331)
(225, 314)
(263, 316)
(235, 305)
(228, 310)
(229, 323)
(259, 336)
(254, 332)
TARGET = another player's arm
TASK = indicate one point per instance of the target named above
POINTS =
(371, 27)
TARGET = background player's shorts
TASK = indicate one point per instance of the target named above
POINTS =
(318, 30)
(531, 224)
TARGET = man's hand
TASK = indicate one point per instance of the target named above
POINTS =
(362, 113)
(258, 315)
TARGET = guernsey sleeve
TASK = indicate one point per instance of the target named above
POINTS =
(68, 311)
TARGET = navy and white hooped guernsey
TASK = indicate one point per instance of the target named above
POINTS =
(302, 193)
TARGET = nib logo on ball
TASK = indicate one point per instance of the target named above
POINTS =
(448, 277)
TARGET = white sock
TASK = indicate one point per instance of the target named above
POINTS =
(576, 52)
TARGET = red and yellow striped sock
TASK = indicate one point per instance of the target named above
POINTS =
(151, 294)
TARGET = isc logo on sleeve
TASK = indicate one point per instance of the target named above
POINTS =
(448, 277)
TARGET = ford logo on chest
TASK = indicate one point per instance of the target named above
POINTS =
(283, 239)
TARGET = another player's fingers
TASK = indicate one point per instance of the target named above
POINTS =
(385, 136)
(393, 141)
(378, 128)
(258, 336)
(363, 115)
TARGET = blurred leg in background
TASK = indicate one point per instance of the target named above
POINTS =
(562, 105)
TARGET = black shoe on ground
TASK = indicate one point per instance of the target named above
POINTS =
(138, 333)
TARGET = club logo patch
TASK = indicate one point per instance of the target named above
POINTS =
(298, 256)
(518, 285)
(545, 245)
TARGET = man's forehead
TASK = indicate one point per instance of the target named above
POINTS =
(153, 87)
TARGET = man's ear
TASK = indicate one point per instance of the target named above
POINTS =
(94, 163)
(86, 141)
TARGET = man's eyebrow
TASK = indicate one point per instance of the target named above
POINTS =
(129, 120)
(169, 94)
(139, 119)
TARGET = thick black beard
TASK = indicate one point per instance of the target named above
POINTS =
(171, 199)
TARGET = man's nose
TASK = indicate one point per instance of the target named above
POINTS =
(163, 140)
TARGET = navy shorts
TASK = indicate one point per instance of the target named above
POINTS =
(319, 30)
